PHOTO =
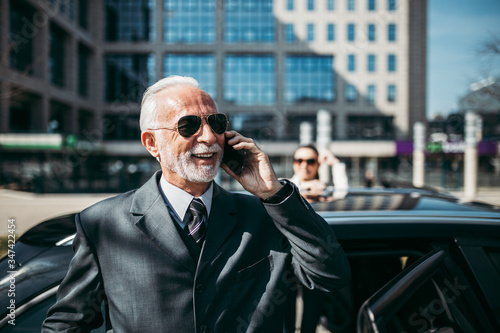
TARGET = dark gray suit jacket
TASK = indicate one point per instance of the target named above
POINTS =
(129, 253)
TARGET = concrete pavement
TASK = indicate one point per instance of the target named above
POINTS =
(29, 209)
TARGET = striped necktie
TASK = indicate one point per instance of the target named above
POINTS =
(197, 226)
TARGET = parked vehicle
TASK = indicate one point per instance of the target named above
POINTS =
(421, 261)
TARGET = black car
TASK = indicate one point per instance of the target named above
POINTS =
(421, 261)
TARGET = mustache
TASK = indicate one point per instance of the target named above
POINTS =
(204, 149)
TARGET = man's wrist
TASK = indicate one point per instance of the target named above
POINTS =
(285, 191)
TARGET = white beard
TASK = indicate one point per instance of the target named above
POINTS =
(183, 165)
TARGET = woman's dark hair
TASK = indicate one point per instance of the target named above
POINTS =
(309, 146)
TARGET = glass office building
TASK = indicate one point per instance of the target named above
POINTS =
(78, 68)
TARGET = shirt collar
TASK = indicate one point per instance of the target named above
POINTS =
(180, 199)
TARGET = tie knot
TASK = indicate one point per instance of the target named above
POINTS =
(197, 207)
(197, 224)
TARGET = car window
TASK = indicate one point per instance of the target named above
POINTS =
(371, 269)
(432, 296)
(30, 321)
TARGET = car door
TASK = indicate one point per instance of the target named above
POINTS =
(432, 295)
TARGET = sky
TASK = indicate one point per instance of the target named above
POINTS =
(455, 31)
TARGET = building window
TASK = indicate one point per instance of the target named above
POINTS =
(370, 94)
(351, 32)
(310, 32)
(351, 62)
(310, 5)
(391, 5)
(121, 128)
(391, 32)
(57, 58)
(199, 66)
(391, 93)
(83, 13)
(21, 48)
(248, 21)
(128, 75)
(371, 63)
(129, 20)
(289, 4)
(364, 127)
(371, 5)
(330, 5)
(391, 63)
(83, 70)
(351, 93)
(189, 22)
(351, 5)
(331, 32)
(250, 79)
(371, 32)
(309, 78)
(289, 34)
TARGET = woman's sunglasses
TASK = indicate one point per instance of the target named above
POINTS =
(310, 161)
(190, 125)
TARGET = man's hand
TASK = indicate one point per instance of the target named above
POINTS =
(257, 175)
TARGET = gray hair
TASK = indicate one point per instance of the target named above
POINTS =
(148, 117)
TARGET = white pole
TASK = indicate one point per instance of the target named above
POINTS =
(306, 130)
(323, 139)
(470, 156)
(418, 154)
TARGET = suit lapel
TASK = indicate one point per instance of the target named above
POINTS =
(154, 220)
(222, 221)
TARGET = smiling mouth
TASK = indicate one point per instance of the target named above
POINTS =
(204, 156)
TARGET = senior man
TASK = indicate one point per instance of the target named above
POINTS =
(181, 254)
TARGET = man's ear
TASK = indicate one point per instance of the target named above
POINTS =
(149, 141)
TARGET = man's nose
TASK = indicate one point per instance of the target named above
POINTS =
(206, 134)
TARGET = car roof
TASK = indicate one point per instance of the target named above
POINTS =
(397, 208)
(398, 200)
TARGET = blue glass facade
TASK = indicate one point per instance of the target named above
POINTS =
(128, 75)
(129, 20)
(249, 21)
(249, 79)
(309, 78)
(199, 66)
(289, 33)
(189, 21)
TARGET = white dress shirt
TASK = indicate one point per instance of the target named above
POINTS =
(178, 200)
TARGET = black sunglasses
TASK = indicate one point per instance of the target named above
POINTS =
(310, 161)
(190, 125)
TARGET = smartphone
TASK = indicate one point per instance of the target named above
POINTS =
(233, 158)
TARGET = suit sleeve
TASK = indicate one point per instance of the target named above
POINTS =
(317, 258)
(79, 297)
